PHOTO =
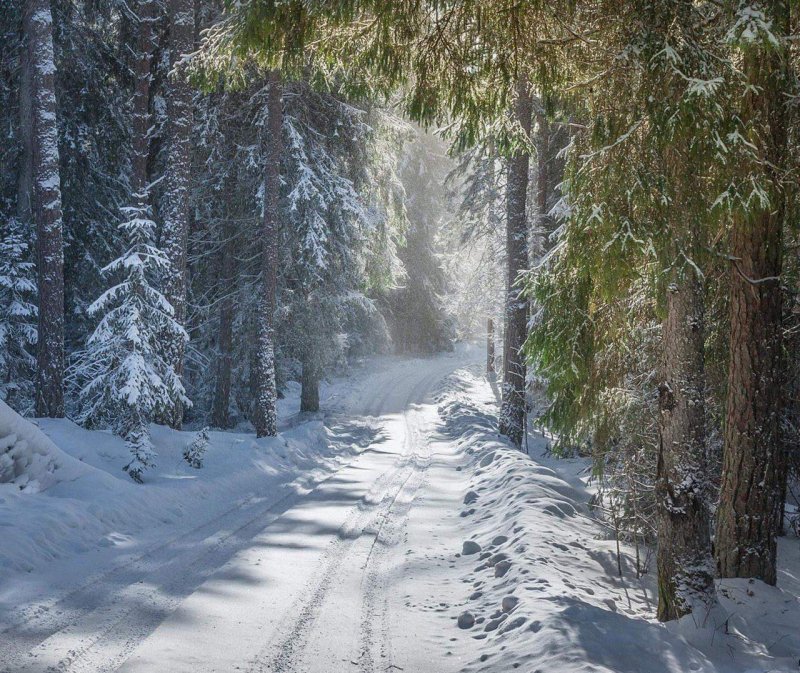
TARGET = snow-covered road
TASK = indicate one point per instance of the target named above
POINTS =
(347, 576)
(416, 540)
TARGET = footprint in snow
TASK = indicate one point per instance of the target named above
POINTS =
(470, 497)
(466, 620)
(501, 568)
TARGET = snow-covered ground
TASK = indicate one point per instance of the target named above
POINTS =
(396, 532)
(546, 591)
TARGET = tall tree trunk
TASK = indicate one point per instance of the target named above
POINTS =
(512, 413)
(754, 459)
(222, 389)
(25, 166)
(490, 370)
(542, 181)
(265, 418)
(309, 391)
(175, 233)
(141, 104)
(685, 564)
(45, 205)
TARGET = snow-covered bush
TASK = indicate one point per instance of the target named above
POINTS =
(195, 450)
(126, 379)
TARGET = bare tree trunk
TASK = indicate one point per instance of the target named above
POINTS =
(222, 389)
(175, 233)
(265, 418)
(490, 369)
(685, 564)
(141, 103)
(542, 181)
(754, 459)
(25, 170)
(45, 204)
(512, 413)
(309, 391)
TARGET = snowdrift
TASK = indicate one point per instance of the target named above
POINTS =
(29, 460)
(64, 492)
(546, 591)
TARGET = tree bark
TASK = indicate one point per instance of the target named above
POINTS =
(45, 205)
(490, 369)
(685, 564)
(141, 103)
(309, 391)
(175, 233)
(25, 166)
(542, 182)
(265, 417)
(222, 390)
(512, 413)
(754, 458)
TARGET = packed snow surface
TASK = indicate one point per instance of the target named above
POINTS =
(395, 532)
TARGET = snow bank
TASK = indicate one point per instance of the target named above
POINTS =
(29, 461)
(67, 508)
(66, 494)
(545, 589)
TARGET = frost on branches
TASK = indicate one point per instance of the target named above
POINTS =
(126, 380)
(195, 450)
(17, 318)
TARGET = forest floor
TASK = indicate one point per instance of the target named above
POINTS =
(395, 532)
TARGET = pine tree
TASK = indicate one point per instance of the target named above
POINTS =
(17, 318)
(195, 451)
(685, 568)
(633, 197)
(94, 86)
(328, 227)
(220, 417)
(417, 314)
(127, 379)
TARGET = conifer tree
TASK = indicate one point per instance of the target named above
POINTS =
(127, 377)
(195, 451)
(754, 468)
(17, 317)
(633, 197)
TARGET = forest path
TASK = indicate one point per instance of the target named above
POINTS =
(347, 577)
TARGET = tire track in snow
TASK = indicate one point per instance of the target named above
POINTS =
(103, 638)
(283, 654)
(374, 611)
(120, 607)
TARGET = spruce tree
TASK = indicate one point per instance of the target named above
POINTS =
(17, 317)
(127, 379)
